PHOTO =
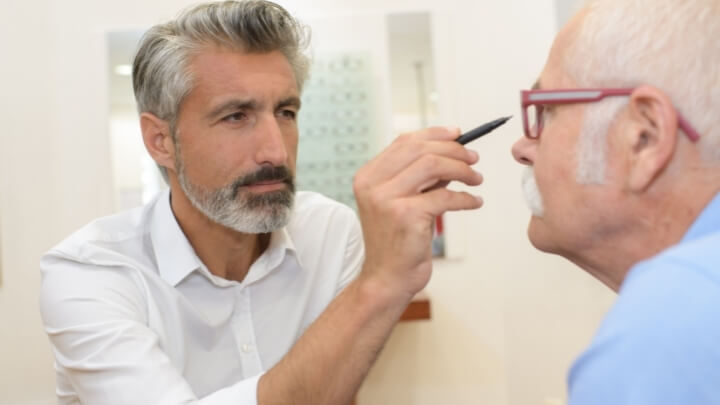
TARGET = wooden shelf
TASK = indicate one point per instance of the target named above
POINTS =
(419, 309)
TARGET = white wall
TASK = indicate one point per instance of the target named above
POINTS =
(507, 320)
(31, 219)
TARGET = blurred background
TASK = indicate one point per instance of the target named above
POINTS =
(507, 320)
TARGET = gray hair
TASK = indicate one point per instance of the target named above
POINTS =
(670, 44)
(161, 75)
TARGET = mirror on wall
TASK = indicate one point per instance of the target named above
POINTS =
(412, 72)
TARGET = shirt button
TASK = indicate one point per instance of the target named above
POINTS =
(246, 348)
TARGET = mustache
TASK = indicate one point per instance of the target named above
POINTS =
(533, 198)
(265, 173)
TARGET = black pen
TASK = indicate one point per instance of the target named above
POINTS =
(481, 130)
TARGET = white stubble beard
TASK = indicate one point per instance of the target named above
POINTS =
(531, 192)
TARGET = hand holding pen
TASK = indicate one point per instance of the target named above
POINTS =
(472, 135)
(396, 214)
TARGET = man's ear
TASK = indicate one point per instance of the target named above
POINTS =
(651, 136)
(158, 140)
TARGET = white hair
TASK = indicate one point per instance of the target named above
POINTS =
(592, 145)
(673, 45)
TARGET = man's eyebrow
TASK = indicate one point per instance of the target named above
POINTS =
(292, 101)
(232, 105)
(536, 86)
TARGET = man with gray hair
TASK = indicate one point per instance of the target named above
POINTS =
(230, 288)
(622, 148)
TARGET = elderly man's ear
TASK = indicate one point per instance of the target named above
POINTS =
(651, 136)
(158, 140)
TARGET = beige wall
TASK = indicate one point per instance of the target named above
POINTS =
(507, 320)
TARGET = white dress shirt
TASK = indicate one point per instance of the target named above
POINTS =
(134, 316)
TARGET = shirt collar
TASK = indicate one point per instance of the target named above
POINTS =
(708, 221)
(176, 258)
(281, 244)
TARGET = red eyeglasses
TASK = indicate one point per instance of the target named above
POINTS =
(534, 102)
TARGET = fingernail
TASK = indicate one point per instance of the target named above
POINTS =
(455, 130)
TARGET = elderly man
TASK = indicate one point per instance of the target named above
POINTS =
(229, 289)
(622, 133)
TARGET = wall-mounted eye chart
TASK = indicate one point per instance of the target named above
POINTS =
(336, 125)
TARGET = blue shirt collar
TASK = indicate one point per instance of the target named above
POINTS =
(707, 222)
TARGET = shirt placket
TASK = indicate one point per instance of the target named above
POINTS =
(244, 333)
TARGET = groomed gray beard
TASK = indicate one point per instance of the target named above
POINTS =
(239, 210)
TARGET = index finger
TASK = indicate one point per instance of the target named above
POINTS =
(408, 149)
(434, 134)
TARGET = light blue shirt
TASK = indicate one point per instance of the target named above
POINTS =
(660, 343)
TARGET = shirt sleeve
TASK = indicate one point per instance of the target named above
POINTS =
(354, 253)
(95, 317)
(658, 345)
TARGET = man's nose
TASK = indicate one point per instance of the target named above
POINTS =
(271, 148)
(524, 151)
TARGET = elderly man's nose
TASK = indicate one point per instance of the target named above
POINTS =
(523, 151)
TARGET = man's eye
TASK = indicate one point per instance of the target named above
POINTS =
(238, 116)
(289, 114)
(548, 111)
